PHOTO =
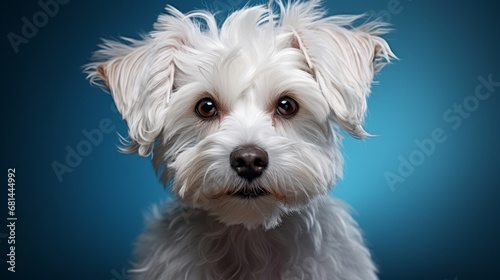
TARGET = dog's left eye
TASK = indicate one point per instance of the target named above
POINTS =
(287, 107)
(206, 108)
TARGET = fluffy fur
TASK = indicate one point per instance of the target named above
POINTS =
(258, 56)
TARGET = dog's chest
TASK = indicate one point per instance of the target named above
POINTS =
(247, 254)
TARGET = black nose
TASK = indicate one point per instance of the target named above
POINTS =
(249, 161)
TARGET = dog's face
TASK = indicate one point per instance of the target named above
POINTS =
(244, 119)
(246, 139)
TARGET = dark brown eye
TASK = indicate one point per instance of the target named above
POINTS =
(287, 107)
(206, 108)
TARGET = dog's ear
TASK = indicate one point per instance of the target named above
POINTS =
(342, 58)
(139, 74)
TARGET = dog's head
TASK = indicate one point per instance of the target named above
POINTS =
(244, 118)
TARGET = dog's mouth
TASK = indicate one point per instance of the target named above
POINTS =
(250, 193)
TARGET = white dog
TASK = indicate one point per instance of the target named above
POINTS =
(243, 122)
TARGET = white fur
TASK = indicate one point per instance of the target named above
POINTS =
(320, 242)
(255, 58)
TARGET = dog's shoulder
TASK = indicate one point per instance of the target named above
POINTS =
(330, 242)
(163, 249)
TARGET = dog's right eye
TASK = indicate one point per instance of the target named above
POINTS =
(206, 108)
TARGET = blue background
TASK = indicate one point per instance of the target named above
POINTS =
(440, 222)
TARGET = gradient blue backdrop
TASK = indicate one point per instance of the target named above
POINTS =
(442, 222)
